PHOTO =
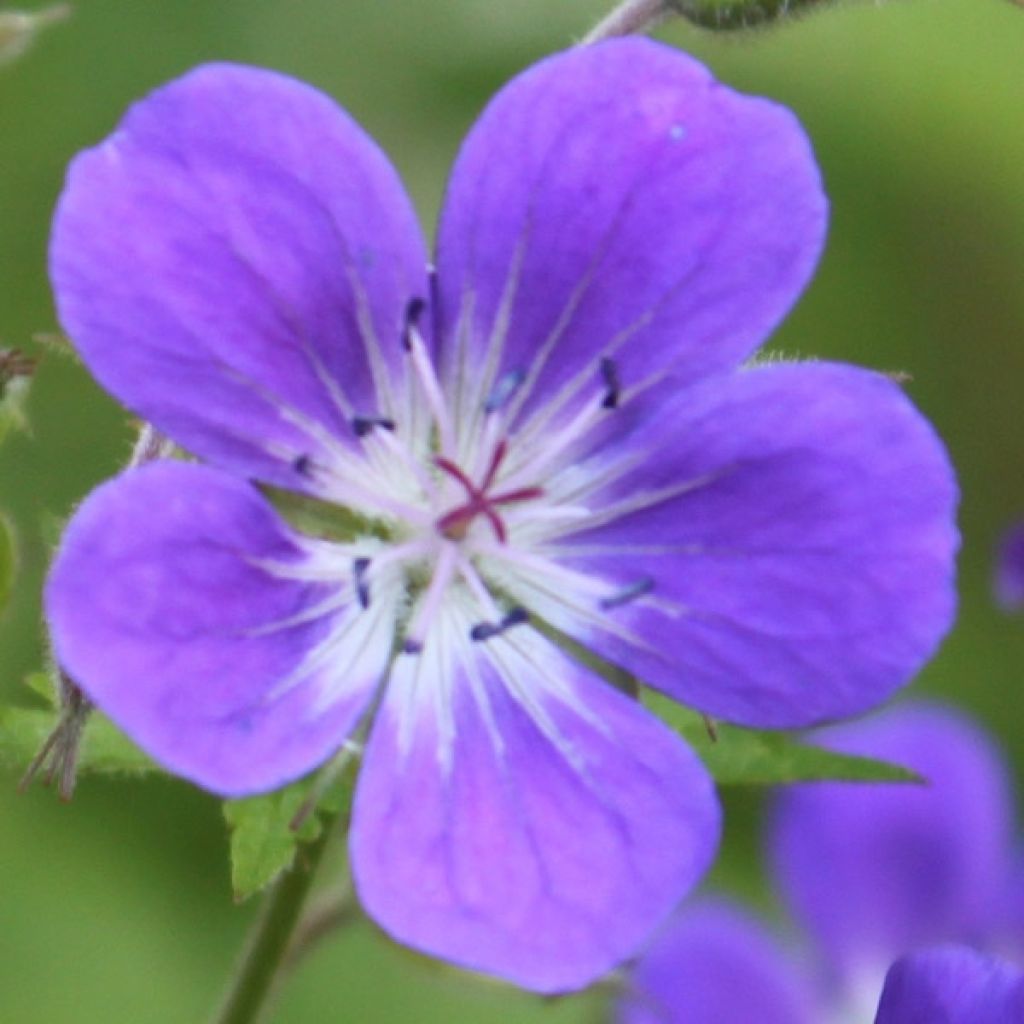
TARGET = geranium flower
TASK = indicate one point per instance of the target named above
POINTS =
(873, 874)
(552, 428)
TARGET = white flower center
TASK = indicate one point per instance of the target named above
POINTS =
(473, 512)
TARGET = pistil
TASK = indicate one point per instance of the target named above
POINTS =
(455, 524)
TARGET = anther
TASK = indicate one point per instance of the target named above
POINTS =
(359, 570)
(363, 425)
(303, 465)
(412, 646)
(627, 594)
(486, 630)
(610, 374)
(508, 384)
(413, 310)
(517, 616)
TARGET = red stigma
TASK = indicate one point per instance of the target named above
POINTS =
(455, 524)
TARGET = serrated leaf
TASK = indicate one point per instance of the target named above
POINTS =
(105, 749)
(6, 562)
(749, 757)
(263, 841)
(42, 686)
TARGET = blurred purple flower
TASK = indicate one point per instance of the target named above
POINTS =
(952, 985)
(552, 428)
(1009, 570)
(716, 964)
(871, 873)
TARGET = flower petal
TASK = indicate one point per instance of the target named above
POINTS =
(233, 261)
(951, 985)
(518, 817)
(616, 200)
(1011, 929)
(794, 525)
(873, 871)
(177, 603)
(715, 964)
(1008, 577)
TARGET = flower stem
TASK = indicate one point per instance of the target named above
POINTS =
(271, 936)
(628, 18)
(334, 911)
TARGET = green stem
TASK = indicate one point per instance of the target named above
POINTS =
(270, 938)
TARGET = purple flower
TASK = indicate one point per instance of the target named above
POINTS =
(553, 428)
(872, 873)
(1008, 578)
(715, 964)
(952, 985)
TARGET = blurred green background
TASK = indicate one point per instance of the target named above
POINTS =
(117, 906)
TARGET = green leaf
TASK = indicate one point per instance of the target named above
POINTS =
(320, 519)
(747, 757)
(6, 561)
(263, 841)
(43, 687)
(105, 749)
(13, 395)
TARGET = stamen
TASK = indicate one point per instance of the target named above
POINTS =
(359, 568)
(303, 465)
(398, 450)
(627, 594)
(536, 452)
(429, 604)
(426, 375)
(344, 489)
(478, 588)
(413, 310)
(363, 425)
(486, 630)
(508, 384)
(610, 373)
(563, 580)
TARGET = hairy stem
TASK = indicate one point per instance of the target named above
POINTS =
(266, 950)
(628, 18)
